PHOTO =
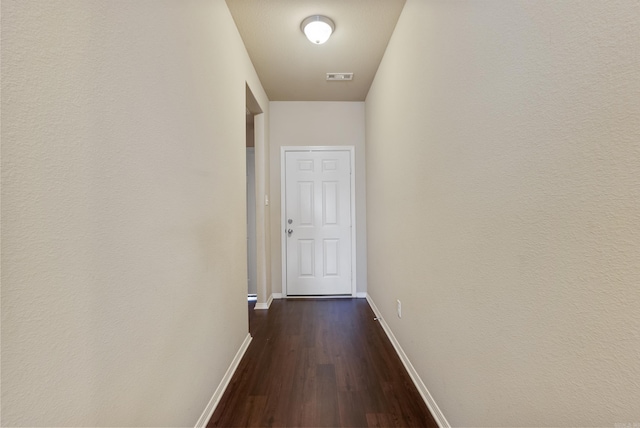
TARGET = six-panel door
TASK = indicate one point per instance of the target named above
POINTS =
(318, 222)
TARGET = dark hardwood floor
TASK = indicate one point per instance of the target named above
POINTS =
(320, 363)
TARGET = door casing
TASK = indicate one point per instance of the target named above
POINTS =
(283, 213)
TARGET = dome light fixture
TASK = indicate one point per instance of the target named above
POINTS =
(317, 28)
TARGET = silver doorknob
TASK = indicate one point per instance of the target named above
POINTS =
(290, 231)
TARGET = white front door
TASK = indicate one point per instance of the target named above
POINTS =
(317, 222)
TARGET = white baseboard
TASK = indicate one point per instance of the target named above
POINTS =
(422, 388)
(359, 295)
(217, 395)
(264, 305)
(320, 297)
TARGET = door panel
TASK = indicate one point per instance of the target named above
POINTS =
(306, 258)
(318, 217)
(305, 203)
(331, 257)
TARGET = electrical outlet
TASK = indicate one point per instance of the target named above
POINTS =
(399, 308)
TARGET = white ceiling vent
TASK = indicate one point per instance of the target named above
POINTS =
(339, 76)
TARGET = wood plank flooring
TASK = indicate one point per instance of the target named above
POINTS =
(320, 363)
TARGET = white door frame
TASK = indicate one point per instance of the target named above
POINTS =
(252, 252)
(283, 209)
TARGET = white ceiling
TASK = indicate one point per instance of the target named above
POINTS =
(293, 69)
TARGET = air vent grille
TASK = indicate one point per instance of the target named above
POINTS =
(339, 76)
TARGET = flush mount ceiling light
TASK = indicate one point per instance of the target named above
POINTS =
(317, 28)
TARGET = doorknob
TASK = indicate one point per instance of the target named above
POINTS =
(290, 231)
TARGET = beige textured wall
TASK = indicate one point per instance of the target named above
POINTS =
(503, 196)
(317, 124)
(123, 209)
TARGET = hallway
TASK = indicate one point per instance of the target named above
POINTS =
(320, 363)
(497, 198)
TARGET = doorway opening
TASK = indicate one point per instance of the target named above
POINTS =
(252, 109)
(252, 287)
